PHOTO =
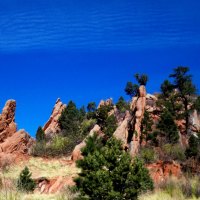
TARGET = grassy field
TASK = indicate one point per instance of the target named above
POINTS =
(174, 189)
(42, 168)
(39, 167)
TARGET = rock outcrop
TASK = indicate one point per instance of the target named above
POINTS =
(129, 131)
(76, 154)
(54, 185)
(52, 126)
(20, 142)
(122, 131)
(161, 171)
(12, 142)
(108, 102)
(138, 106)
(7, 120)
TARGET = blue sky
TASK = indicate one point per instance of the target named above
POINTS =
(88, 50)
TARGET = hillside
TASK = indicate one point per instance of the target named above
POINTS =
(161, 130)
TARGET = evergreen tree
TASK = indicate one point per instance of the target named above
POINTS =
(183, 83)
(70, 120)
(25, 182)
(168, 127)
(102, 114)
(141, 79)
(91, 107)
(122, 105)
(193, 148)
(146, 125)
(108, 173)
(131, 89)
(167, 88)
(40, 135)
(110, 125)
(197, 104)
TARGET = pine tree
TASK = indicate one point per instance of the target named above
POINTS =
(40, 135)
(133, 89)
(25, 182)
(183, 83)
(91, 107)
(141, 79)
(122, 105)
(193, 148)
(110, 125)
(108, 173)
(70, 120)
(168, 127)
(146, 125)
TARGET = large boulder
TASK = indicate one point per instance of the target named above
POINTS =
(20, 142)
(52, 125)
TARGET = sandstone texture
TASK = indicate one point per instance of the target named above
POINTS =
(161, 171)
(52, 126)
(13, 143)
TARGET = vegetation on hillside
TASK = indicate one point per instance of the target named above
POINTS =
(108, 173)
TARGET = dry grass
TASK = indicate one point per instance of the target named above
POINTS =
(172, 189)
(39, 167)
(42, 168)
(162, 195)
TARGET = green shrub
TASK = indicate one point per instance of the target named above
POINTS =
(193, 148)
(174, 151)
(102, 114)
(25, 182)
(108, 172)
(168, 127)
(40, 135)
(110, 125)
(87, 125)
(148, 155)
(122, 105)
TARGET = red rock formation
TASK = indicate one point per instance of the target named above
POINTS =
(76, 154)
(7, 120)
(105, 103)
(12, 142)
(52, 126)
(51, 186)
(138, 105)
(121, 132)
(161, 170)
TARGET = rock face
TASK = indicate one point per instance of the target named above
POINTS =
(11, 140)
(20, 142)
(52, 127)
(108, 102)
(129, 130)
(161, 171)
(138, 106)
(7, 120)
(122, 131)
(76, 154)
